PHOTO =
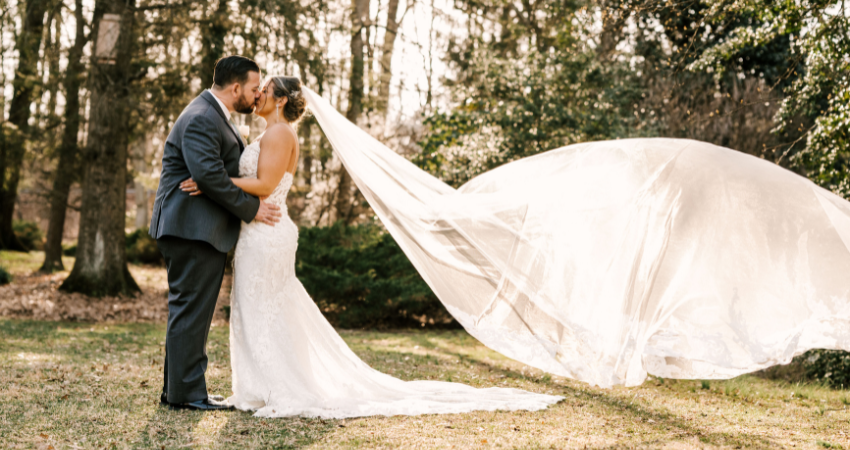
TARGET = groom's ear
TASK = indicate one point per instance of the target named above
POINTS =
(236, 89)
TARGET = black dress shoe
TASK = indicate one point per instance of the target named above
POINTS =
(163, 399)
(203, 405)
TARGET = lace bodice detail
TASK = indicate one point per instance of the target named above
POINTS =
(248, 169)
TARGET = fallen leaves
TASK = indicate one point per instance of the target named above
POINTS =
(35, 296)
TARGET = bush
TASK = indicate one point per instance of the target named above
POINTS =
(28, 234)
(5, 276)
(141, 248)
(831, 367)
(360, 278)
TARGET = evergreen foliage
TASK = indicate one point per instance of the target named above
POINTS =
(816, 100)
(5, 276)
(360, 278)
(831, 367)
(28, 234)
(141, 248)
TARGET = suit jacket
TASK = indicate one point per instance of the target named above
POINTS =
(202, 145)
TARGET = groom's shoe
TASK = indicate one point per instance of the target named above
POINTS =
(163, 400)
(207, 404)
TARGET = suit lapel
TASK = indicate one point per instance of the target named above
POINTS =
(207, 95)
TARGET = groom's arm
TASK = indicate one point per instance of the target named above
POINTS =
(202, 153)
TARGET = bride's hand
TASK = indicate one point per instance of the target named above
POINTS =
(191, 187)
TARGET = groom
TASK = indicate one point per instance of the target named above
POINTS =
(194, 233)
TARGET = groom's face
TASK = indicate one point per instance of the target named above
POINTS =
(248, 95)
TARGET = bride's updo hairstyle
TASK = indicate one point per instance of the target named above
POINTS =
(296, 104)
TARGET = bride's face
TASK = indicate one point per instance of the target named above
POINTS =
(267, 104)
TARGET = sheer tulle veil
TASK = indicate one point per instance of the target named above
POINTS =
(606, 261)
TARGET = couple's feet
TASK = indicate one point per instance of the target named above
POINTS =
(211, 403)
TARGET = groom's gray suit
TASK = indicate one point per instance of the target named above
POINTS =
(194, 235)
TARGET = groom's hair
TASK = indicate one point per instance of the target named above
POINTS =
(233, 69)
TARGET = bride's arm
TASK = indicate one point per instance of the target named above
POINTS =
(277, 148)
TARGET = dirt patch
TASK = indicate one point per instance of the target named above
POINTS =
(36, 296)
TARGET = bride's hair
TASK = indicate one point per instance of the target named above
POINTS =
(296, 104)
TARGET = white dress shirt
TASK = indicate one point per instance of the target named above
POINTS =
(221, 104)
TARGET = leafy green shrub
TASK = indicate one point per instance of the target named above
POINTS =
(360, 278)
(141, 248)
(831, 367)
(28, 234)
(5, 276)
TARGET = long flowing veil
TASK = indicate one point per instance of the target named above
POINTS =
(609, 260)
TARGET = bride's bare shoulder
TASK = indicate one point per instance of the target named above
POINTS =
(279, 136)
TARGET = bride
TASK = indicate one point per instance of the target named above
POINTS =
(286, 358)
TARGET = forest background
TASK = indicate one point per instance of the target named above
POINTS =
(92, 87)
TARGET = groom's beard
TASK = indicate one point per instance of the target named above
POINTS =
(244, 106)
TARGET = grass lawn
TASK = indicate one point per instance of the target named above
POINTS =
(76, 385)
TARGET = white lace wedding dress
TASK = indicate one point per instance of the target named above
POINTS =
(286, 358)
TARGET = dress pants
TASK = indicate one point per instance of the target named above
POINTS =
(195, 271)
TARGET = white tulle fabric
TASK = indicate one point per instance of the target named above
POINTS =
(286, 358)
(609, 260)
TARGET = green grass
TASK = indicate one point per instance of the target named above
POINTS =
(74, 385)
(20, 263)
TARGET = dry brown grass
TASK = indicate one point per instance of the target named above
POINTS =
(79, 385)
(74, 385)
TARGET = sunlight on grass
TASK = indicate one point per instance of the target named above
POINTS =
(207, 430)
(19, 263)
(96, 386)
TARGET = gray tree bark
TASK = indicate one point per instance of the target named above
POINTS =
(386, 74)
(101, 264)
(141, 150)
(12, 150)
(359, 17)
(68, 165)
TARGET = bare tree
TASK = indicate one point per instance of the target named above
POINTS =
(101, 264)
(359, 20)
(68, 166)
(393, 22)
(12, 150)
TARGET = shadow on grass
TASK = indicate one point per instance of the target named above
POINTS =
(168, 429)
(630, 410)
(608, 402)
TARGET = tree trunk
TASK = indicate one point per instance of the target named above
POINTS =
(305, 130)
(51, 55)
(68, 165)
(383, 99)
(101, 264)
(359, 17)
(26, 80)
(141, 150)
(213, 32)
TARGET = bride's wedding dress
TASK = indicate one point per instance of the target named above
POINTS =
(287, 359)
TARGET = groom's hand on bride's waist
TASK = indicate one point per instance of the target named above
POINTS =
(268, 214)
